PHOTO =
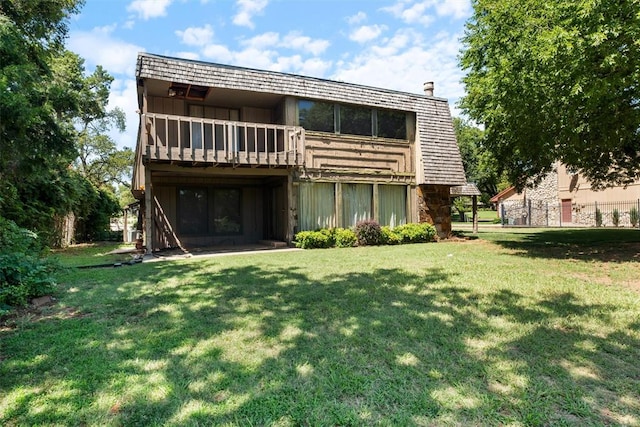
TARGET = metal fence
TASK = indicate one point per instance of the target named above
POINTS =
(538, 213)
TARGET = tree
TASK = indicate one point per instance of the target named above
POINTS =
(479, 164)
(44, 95)
(556, 81)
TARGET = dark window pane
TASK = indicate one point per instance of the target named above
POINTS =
(316, 115)
(192, 210)
(355, 120)
(227, 216)
(392, 124)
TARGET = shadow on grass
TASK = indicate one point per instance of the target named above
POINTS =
(266, 345)
(596, 244)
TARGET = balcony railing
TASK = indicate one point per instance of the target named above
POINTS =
(218, 142)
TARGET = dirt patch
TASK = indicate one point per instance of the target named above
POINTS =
(42, 313)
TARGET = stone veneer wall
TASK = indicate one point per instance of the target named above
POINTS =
(434, 207)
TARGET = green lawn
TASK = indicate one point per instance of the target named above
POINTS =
(514, 328)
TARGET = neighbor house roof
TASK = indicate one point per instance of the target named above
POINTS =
(507, 192)
(441, 162)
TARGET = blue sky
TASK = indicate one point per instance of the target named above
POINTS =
(395, 44)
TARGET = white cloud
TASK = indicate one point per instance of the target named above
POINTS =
(124, 95)
(367, 33)
(147, 9)
(457, 8)
(187, 55)
(418, 13)
(98, 47)
(196, 36)
(296, 40)
(405, 61)
(218, 53)
(357, 18)
(247, 10)
(262, 41)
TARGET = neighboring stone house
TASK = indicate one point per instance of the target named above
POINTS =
(231, 155)
(564, 198)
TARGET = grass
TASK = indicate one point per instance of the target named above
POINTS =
(514, 328)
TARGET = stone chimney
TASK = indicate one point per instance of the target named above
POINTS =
(428, 88)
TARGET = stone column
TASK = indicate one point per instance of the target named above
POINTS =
(434, 207)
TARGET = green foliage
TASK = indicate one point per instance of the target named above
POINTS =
(480, 165)
(615, 217)
(23, 277)
(633, 216)
(598, 217)
(51, 109)
(345, 238)
(368, 233)
(416, 233)
(390, 236)
(556, 81)
(313, 240)
(14, 239)
(23, 273)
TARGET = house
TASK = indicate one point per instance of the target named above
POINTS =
(229, 155)
(563, 198)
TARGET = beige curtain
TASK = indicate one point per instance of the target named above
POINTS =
(356, 203)
(392, 201)
(316, 205)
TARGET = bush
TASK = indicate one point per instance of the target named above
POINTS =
(416, 233)
(615, 217)
(23, 273)
(389, 236)
(313, 239)
(633, 216)
(368, 233)
(598, 217)
(345, 238)
(23, 277)
(365, 233)
(15, 239)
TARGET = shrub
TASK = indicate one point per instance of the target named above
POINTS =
(345, 238)
(416, 233)
(633, 216)
(313, 239)
(389, 236)
(14, 239)
(23, 273)
(368, 233)
(23, 277)
(598, 217)
(615, 217)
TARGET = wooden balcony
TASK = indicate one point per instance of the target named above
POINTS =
(219, 142)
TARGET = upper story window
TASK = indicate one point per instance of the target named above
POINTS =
(355, 120)
(351, 120)
(391, 124)
(314, 115)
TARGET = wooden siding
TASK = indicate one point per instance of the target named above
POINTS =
(329, 152)
(439, 157)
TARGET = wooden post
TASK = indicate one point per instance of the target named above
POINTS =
(475, 213)
(338, 205)
(125, 228)
(148, 214)
(376, 203)
(290, 209)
